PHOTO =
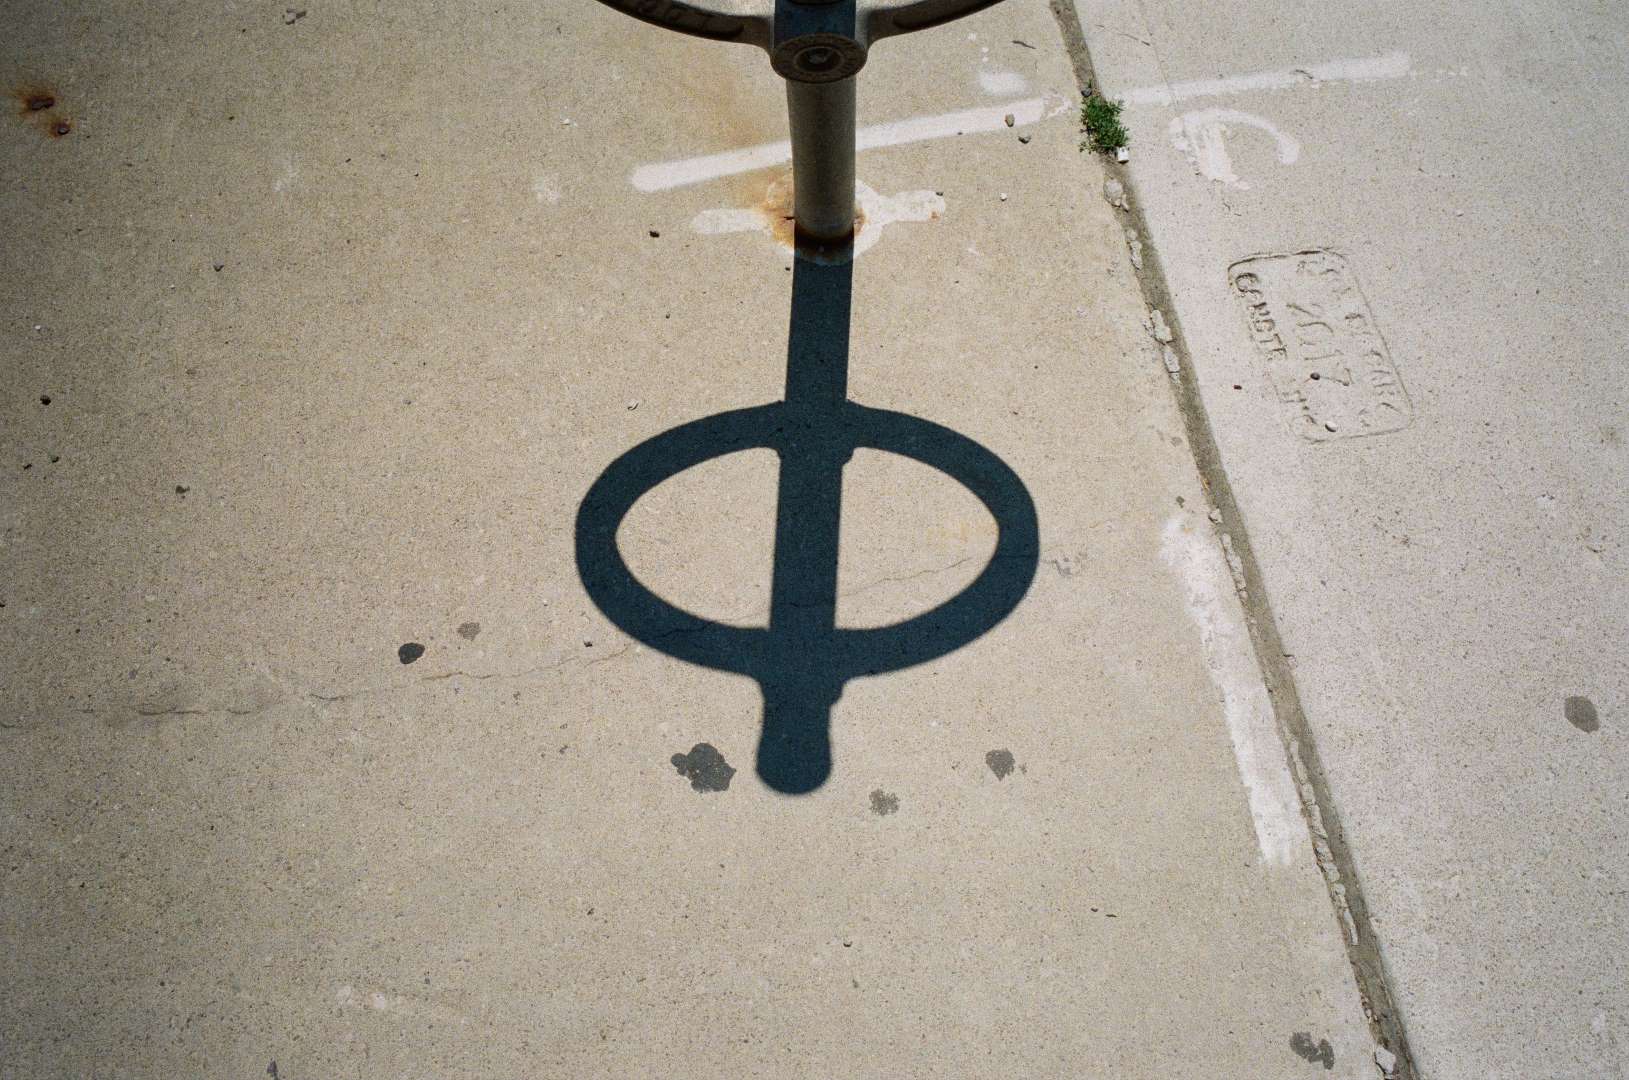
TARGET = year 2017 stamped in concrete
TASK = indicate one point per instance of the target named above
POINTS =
(1328, 364)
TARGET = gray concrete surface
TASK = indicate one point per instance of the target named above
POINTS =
(338, 316)
(1451, 582)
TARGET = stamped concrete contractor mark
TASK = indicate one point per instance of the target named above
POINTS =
(1329, 366)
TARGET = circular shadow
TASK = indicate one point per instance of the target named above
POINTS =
(802, 672)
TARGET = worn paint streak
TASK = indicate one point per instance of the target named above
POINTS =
(666, 175)
(1392, 65)
(1196, 559)
(773, 214)
(1202, 136)
(1002, 83)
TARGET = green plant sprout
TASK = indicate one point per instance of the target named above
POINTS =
(1100, 118)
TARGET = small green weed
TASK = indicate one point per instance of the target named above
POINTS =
(1100, 118)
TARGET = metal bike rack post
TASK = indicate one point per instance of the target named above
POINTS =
(818, 47)
(801, 658)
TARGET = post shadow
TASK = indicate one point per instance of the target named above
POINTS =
(802, 659)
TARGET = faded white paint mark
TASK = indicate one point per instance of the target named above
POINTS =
(1193, 555)
(1392, 65)
(289, 177)
(547, 190)
(1202, 136)
(877, 212)
(1002, 83)
(722, 221)
(666, 175)
(349, 997)
(673, 174)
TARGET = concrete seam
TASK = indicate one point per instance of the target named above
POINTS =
(1333, 855)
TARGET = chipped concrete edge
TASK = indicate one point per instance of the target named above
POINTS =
(1323, 820)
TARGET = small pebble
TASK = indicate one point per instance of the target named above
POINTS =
(1024, 139)
(1003, 196)
(219, 266)
(1162, 332)
(1008, 119)
(634, 404)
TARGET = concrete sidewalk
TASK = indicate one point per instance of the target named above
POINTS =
(320, 761)
(1393, 241)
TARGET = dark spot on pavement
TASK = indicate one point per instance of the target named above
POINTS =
(1301, 1043)
(410, 652)
(1580, 713)
(468, 631)
(182, 489)
(704, 767)
(34, 98)
(37, 105)
(883, 804)
(1001, 763)
(45, 399)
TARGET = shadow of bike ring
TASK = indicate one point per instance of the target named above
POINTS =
(801, 659)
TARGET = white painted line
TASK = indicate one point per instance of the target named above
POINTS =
(1392, 65)
(1002, 83)
(879, 211)
(672, 174)
(1196, 558)
(666, 175)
